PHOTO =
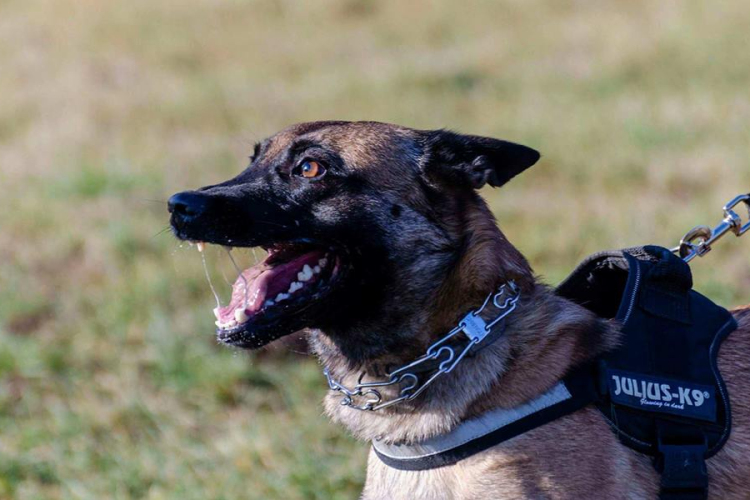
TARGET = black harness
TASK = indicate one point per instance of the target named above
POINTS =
(660, 391)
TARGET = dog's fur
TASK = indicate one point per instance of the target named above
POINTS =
(424, 249)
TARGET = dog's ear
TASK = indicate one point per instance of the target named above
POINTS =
(472, 160)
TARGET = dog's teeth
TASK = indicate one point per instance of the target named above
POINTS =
(216, 313)
(268, 303)
(228, 324)
(200, 245)
(240, 316)
(316, 269)
(281, 296)
(296, 285)
(305, 274)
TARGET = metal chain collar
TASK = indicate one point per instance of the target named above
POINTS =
(365, 396)
(697, 242)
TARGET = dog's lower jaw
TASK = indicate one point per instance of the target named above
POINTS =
(544, 338)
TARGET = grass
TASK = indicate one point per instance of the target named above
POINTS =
(111, 385)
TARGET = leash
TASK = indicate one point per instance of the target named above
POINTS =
(699, 240)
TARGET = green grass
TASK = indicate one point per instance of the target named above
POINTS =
(111, 385)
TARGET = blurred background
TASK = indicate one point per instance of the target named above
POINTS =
(111, 383)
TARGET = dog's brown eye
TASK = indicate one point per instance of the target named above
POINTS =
(310, 169)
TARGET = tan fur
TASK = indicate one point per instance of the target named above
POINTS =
(419, 210)
(575, 457)
(578, 456)
(543, 340)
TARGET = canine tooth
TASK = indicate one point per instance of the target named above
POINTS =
(240, 316)
(216, 313)
(316, 269)
(268, 303)
(296, 285)
(200, 245)
(281, 296)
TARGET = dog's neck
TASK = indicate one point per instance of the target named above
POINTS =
(544, 337)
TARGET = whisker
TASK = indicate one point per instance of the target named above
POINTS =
(161, 232)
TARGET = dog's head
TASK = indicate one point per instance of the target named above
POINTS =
(363, 222)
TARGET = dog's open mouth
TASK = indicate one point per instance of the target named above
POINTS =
(266, 298)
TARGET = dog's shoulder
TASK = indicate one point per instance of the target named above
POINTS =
(742, 315)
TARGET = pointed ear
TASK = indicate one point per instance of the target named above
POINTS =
(472, 160)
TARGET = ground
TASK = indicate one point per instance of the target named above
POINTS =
(111, 384)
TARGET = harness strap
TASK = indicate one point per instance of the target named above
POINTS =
(660, 390)
(683, 475)
(492, 428)
(681, 461)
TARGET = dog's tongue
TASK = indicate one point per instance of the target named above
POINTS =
(263, 282)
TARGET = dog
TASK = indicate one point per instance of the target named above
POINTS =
(378, 243)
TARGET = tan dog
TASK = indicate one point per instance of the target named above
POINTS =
(379, 243)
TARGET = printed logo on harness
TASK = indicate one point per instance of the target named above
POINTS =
(657, 394)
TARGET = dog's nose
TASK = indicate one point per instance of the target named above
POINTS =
(187, 205)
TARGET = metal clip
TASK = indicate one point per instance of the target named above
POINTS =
(699, 240)
(738, 229)
(474, 327)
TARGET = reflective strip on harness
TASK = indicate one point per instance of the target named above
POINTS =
(492, 428)
(472, 429)
(660, 390)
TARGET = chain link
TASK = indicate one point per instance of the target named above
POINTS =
(699, 240)
(365, 396)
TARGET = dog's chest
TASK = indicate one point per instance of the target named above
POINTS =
(385, 482)
(574, 457)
